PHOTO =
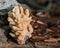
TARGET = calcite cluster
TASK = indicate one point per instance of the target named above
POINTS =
(19, 21)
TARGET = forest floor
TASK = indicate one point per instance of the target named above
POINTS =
(45, 28)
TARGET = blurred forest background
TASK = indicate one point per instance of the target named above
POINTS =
(52, 6)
